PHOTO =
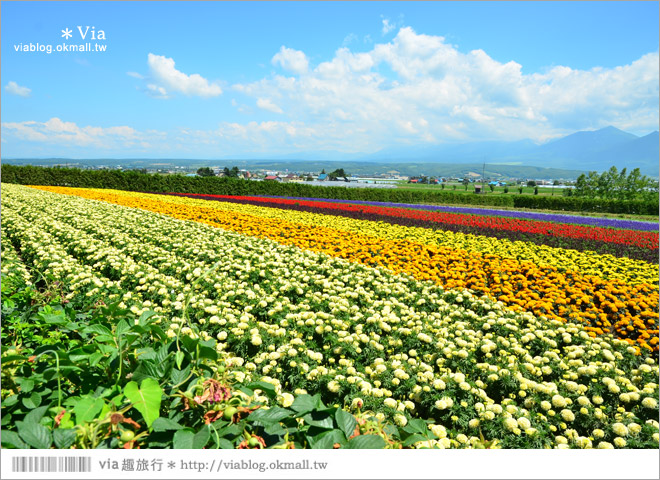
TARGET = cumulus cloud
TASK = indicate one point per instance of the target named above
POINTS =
(387, 26)
(15, 89)
(419, 88)
(135, 75)
(168, 78)
(267, 104)
(58, 132)
(291, 60)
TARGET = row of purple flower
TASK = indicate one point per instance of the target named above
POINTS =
(546, 217)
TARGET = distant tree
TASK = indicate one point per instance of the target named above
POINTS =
(466, 182)
(554, 184)
(205, 172)
(322, 171)
(455, 187)
(442, 186)
(536, 190)
(506, 189)
(233, 173)
(338, 173)
(309, 178)
(531, 183)
(520, 190)
(492, 187)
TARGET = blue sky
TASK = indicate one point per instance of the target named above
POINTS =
(216, 79)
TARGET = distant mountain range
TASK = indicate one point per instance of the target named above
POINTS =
(563, 158)
(587, 150)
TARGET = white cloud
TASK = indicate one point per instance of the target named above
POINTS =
(167, 77)
(58, 132)
(156, 91)
(348, 39)
(418, 88)
(15, 89)
(291, 60)
(267, 104)
(135, 75)
(387, 26)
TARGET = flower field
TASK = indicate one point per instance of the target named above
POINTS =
(484, 339)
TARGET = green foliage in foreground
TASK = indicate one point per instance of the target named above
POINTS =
(108, 379)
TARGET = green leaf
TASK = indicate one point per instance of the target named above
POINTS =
(346, 422)
(64, 437)
(122, 327)
(267, 388)
(95, 358)
(36, 415)
(13, 358)
(145, 399)
(306, 403)
(162, 424)
(54, 319)
(366, 442)
(177, 377)
(87, 408)
(188, 439)
(148, 369)
(225, 444)
(414, 438)
(98, 329)
(11, 439)
(179, 358)
(319, 419)
(327, 440)
(270, 416)
(208, 353)
(145, 318)
(109, 339)
(35, 434)
(416, 425)
(33, 401)
(25, 383)
(275, 429)
(10, 401)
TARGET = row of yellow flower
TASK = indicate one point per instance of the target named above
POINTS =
(604, 305)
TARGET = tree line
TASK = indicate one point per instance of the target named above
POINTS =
(615, 185)
(140, 182)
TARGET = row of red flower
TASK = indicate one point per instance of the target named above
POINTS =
(609, 235)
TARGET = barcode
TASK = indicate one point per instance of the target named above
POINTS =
(51, 464)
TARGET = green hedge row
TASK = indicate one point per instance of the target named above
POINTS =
(135, 181)
(583, 204)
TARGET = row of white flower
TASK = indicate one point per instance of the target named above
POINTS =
(308, 322)
(12, 266)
